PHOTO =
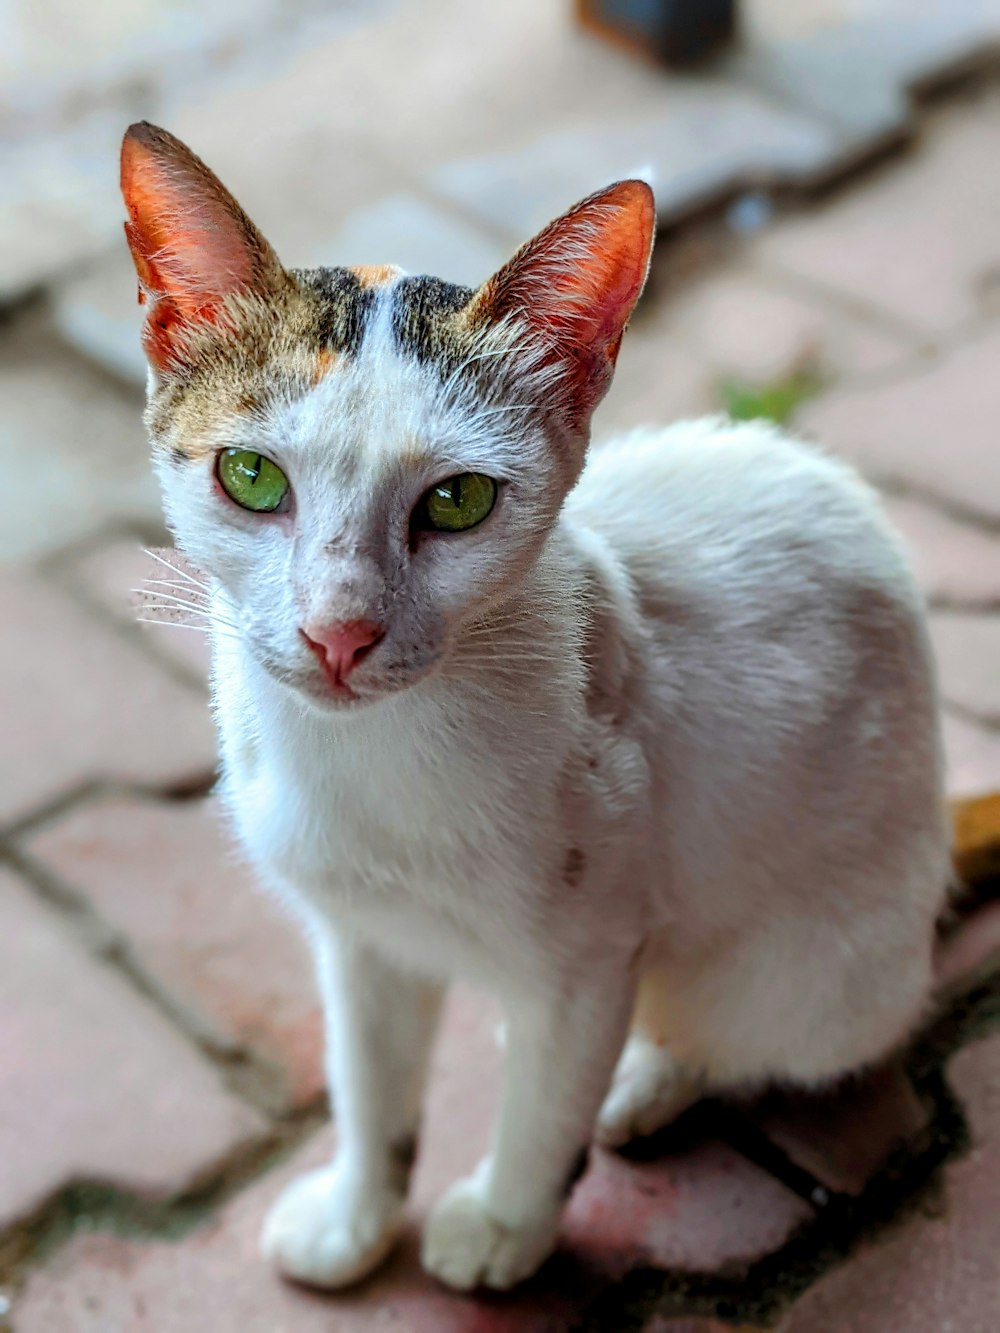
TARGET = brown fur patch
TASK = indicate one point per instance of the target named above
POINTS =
(375, 275)
(262, 346)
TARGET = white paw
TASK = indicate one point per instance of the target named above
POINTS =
(648, 1090)
(464, 1246)
(328, 1235)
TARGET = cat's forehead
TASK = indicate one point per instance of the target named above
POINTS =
(369, 341)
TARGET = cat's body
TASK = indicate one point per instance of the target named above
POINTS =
(660, 749)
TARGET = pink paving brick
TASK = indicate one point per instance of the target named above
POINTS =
(935, 428)
(699, 1210)
(111, 573)
(970, 953)
(972, 754)
(967, 647)
(954, 562)
(83, 703)
(931, 1274)
(746, 325)
(166, 877)
(94, 1083)
(917, 240)
(845, 1136)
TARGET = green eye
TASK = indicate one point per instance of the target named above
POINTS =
(459, 503)
(252, 480)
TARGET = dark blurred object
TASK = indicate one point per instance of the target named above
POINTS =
(672, 32)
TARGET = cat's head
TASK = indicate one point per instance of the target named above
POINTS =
(367, 464)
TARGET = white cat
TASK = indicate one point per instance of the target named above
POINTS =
(646, 744)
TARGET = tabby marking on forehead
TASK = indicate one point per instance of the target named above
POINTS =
(424, 323)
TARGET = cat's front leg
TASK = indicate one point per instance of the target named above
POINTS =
(499, 1224)
(333, 1226)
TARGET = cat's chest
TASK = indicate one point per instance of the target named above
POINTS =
(370, 817)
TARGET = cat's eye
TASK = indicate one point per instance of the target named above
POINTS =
(252, 480)
(457, 504)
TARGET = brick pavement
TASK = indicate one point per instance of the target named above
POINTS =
(159, 1034)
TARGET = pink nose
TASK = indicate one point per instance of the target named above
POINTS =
(342, 644)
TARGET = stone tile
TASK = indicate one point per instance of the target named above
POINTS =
(955, 563)
(934, 428)
(967, 647)
(970, 953)
(845, 1136)
(74, 87)
(916, 240)
(853, 66)
(94, 1083)
(747, 327)
(698, 1210)
(72, 447)
(169, 881)
(85, 703)
(110, 575)
(932, 1274)
(972, 757)
(695, 139)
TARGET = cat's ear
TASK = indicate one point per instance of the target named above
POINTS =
(192, 244)
(574, 286)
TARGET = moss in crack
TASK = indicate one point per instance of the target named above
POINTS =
(776, 400)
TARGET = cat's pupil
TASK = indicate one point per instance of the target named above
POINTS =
(255, 470)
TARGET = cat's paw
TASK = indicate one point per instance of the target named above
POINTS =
(648, 1090)
(323, 1233)
(464, 1246)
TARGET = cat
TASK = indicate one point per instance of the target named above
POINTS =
(645, 743)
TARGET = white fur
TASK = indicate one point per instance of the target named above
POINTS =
(673, 733)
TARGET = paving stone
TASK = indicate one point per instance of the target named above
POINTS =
(970, 953)
(916, 240)
(972, 757)
(933, 1274)
(855, 73)
(695, 139)
(74, 87)
(72, 447)
(699, 1210)
(955, 563)
(167, 878)
(746, 327)
(967, 647)
(934, 428)
(85, 703)
(110, 574)
(94, 1083)
(845, 1136)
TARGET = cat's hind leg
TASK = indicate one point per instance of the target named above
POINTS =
(649, 1087)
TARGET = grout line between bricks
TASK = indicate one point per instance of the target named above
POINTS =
(99, 1206)
(988, 721)
(195, 784)
(958, 511)
(244, 1074)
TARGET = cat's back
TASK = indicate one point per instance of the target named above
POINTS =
(739, 523)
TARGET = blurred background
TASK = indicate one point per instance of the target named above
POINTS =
(829, 256)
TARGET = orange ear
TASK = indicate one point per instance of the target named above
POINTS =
(191, 242)
(576, 284)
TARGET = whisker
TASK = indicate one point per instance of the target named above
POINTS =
(177, 569)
